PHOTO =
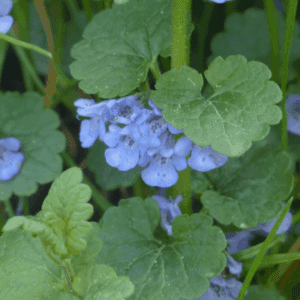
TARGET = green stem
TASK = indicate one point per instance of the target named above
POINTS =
(30, 69)
(99, 200)
(26, 210)
(178, 50)
(262, 251)
(273, 30)
(202, 29)
(73, 9)
(106, 4)
(9, 208)
(155, 70)
(138, 191)
(63, 80)
(179, 59)
(290, 21)
(188, 43)
(25, 45)
(87, 9)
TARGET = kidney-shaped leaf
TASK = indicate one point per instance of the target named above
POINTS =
(236, 114)
(159, 270)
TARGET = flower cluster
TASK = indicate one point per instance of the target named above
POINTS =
(139, 136)
(6, 21)
(10, 159)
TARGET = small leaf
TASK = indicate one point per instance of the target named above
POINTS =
(174, 269)
(65, 211)
(237, 113)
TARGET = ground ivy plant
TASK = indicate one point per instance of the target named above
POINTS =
(172, 170)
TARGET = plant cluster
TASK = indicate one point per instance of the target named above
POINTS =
(206, 159)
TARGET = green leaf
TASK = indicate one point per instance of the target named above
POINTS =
(61, 296)
(25, 117)
(107, 177)
(102, 283)
(236, 114)
(255, 46)
(249, 189)
(178, 267)
(120, 45)
(65, 211)
(25, 270)
(88, 256)
(259, 292)
(62, 223)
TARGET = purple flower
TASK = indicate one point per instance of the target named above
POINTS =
(265, 228)
(6, 21)
(10, 159)
(162, 170)
(169, 210)
(125, 155)
(238, 241)
(125, 110)
(293, 113)
(158, 112)
(219, 1)
(204, 159)
(94, 128)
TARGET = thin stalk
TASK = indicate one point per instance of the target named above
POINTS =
(180, 58)
(262, 251)
(87, 9)
(283, 267)
(202, 29)
(155, 70)
(30, 69)
(273, 30)
(9, 208)
(178, 50)
(290, 21)
(25, 45)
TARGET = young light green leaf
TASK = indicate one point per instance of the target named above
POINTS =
(249, 189)
(120, 45)
(174, 269)
(101, 282)
(25, 117)
(65, 211)
(238, 112)
(62, 224)
(26, 272)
